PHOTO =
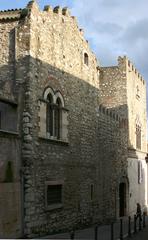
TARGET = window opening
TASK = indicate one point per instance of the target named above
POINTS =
(138, 136)
(54, 194)
(86, 59)
(50, 114)
(140, 177)
(58, 117)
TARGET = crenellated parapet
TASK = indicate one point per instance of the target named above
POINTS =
(124, 61)
(33, 8)
(66, 11)
(10, 14)
(58, 12)
(108, 112)
(131, 68)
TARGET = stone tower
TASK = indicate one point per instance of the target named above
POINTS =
(123, 88)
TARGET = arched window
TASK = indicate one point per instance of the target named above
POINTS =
(86, 58)
(57, 117)
(53, 116)
(49, 114)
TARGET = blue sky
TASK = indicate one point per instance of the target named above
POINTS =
(112, 27)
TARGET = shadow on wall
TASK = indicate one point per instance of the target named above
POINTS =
(94, 155)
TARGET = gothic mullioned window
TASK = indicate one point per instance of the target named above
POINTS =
(53, 116)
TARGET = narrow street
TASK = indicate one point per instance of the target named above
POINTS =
(143, 235)
(104, 232)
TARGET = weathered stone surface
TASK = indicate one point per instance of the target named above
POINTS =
(45, 50)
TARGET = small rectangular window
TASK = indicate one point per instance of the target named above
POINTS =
(53, 194)
(8, 116)
(86, 58)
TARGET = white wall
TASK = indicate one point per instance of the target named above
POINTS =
(137, 190)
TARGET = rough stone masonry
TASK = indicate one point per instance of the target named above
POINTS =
(68, 154)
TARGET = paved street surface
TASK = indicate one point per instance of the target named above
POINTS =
(104, 232)
(143, 235)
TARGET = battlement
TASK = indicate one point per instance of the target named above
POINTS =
(33, 8)
(108, 112)
(16, 13)
(130, 67)
(47, 8)
(10, 14)
(58, 10)
(63, 12)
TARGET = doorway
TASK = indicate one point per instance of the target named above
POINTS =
(122, 199)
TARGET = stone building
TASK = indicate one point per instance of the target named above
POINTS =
(72, 133)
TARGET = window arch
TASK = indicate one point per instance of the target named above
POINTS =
(86, 59)
(59, 95)
(53, 116)
(47, 92)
